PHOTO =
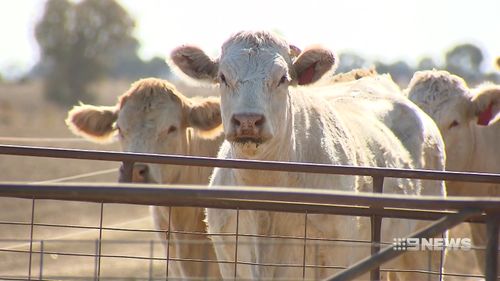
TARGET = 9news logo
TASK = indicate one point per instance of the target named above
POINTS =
(431, 244)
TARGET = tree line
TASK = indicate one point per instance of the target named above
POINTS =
(464, 60)
(81, 43)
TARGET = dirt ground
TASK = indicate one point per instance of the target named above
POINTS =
(65, 236)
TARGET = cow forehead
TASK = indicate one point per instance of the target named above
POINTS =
(438, 91)
(250, 63)
(146, 112)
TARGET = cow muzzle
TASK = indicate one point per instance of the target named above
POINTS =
(134, 173)
(247, 127)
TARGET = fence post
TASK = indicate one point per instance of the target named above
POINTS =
(151, 256)
(492, 246)
(41, 260)
(376, 226)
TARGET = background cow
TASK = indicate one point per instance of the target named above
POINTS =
(469, 123)
(268, 116)
(153, 117)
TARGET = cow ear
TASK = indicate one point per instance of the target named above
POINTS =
(486, 102)
(205, 117)
(193, 62)
(313, 63)
(92, 122)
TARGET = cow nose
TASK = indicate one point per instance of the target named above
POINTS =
(248, 124)
(140, 173)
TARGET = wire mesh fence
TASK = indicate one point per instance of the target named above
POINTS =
(99, 249)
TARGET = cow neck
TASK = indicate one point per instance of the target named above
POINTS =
(197, 146)
(483, 155)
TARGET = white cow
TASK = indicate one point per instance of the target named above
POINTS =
(267, 115)
(469, 123)
(153, 117)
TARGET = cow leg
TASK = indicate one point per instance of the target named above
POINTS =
(160, 221)
(223, 222)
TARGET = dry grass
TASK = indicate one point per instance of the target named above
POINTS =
(25, 114)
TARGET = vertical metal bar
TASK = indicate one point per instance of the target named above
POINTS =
(492, 223)
(99, 244)
(376, 226)
(316, 273)
(168, 239)
(41, 260)
(441, 259)
(151, 256)
(304, 253)
(236, 242)
(31, 236)
(96, 259)
(429, 264)
(206, 263)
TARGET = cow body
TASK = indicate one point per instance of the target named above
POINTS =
(267, 116)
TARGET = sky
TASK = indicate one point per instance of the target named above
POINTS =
(388, 30)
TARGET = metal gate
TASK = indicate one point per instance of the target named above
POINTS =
(101, 254)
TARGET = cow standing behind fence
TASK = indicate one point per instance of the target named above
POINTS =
(153, 117)
(266, 116)
(469, 120)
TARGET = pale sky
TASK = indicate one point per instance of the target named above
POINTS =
(380, 29)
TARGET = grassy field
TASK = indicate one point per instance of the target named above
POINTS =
(27, 119)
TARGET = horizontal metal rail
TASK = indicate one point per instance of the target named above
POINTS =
(246, 164)
(280, 199)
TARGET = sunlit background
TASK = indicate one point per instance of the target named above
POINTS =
(55, 53)
(384, 30)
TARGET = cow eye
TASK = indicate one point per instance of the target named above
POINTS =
(282, 80)
(120, 132)
(453, 124)
(167, 132)
(223, 79)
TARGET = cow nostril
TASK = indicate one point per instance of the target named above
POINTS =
(140, 173)
(143, 172)
(235, 121)
(259, 122)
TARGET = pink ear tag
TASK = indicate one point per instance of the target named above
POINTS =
(485, 117)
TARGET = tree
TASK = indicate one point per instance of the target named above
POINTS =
(426, 63)
(349, 61)
(465, 61)
(400, 71)
(53, 35)
(78, 44)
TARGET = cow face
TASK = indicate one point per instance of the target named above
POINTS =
(255, 72)
(460, 114)
(152, 117)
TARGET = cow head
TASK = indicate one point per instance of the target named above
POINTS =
(151, 117)
(459, 112)
(255, 72)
